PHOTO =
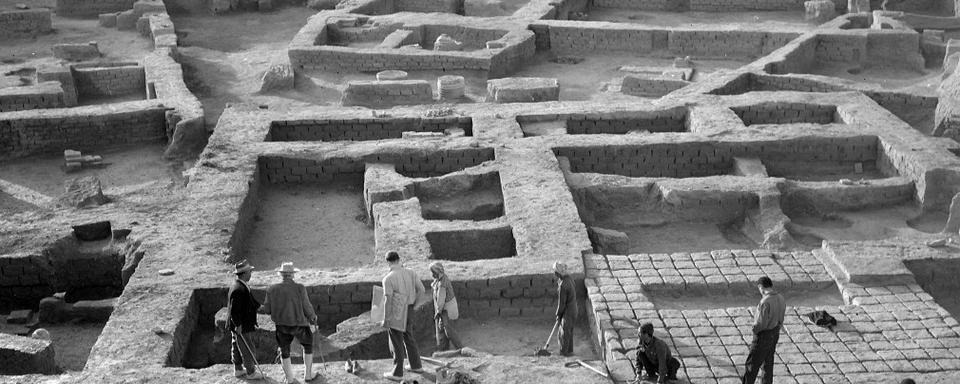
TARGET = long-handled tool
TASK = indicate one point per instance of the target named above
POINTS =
(440, 363)
(588, 366)
(252, 354)
(543, 351)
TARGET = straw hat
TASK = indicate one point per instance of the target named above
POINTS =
(287, 267)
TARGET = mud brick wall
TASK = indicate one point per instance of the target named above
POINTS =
(745, 5)
(787, 113)
(388, 93)
(354, 130)
(44, 95)
(512, 57)
(726, 43)
(28, 22)
(698, 159)
(110, 81)
(844, 48)
(904, 104)
(275, 169)
(355, 34)
(674, 120)
(645, 5)
(22, 135)
(24, 355)
(783, 83)
(472, 38)
(343, 59)
(650, 86)
(24, 279)
(798, 56)
(91, 8)
(448, 6)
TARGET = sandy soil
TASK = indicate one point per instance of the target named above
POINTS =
(224, 58)
(515, 337)
(312, 226)
(679, 237)
(592, 77)
(795, 298)
(792, 21)
(72, 343)
(128, 166)
(874, 224)
(888, 78)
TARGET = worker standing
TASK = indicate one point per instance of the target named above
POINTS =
(445, 310)
(766, 333)
(567, 309)
(289, 307)
(401, 292)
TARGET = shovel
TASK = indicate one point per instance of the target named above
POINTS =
(543, 351)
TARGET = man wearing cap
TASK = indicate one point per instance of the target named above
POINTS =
(242, 307)
(567, 309)
(401, 293)
(766, 333)
(289, 307)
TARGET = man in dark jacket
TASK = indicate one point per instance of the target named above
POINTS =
(567, 309)
(654, 356)
(766, 333)
(243, 321)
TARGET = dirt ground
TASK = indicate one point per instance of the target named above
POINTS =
(224, 58)
(680, 237)
(313, 226)
(872, 224)
(72, 343)
(593, 78)
(740, 20)
(127, 167)
(516, 337)
(926, 81)
(492, 8)
(795, 298)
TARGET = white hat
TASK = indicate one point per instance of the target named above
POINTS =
(287, 267)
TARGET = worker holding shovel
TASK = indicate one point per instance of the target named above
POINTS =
(567, 309)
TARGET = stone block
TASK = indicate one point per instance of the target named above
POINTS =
(751, 167)
(22, 316)
(93, 231)
(108, 20)
(82, 192)
(94, 310)
(819, 11)
(25, 355)
(54, 310)
(858, 6)
(523, 90)
(76, 52)
(608, 241)
(127, 20)
(279, 76)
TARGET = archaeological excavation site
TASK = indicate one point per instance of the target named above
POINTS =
(612, 163)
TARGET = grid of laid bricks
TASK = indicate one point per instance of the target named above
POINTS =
(698, 159)
(24, 277)
(886, 329)
(27, 22)
(275, 169)
(787, 113)
(91, 8)
(110, 81)
(45, 133)
(335, 130)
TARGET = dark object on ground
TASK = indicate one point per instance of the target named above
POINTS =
(822, 318)
(543, 351)
(120, 234)
(93, 231)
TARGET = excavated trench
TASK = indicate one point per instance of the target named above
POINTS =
(939, 279)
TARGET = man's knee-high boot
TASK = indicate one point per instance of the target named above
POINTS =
(288, 370)
(308, 373)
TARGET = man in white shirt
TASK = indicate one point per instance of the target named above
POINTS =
(401, 292)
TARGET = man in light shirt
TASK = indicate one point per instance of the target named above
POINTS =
(766, 333)
(401, 292)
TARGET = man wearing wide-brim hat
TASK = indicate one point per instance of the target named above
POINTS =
(242, 307)
(289, 307)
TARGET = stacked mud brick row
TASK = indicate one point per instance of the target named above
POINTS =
(789, 83)
(345, 59)
(513, 296)
(650, 86)
(798, 56)
(24, 23)
(565, 36)
(42, 95)
(64, 76)
(726, 43)
(24, 278)
(787, 113)
(336, 130)
(384, 94)
(362, 33)
(472, 38)
(662, 121)
(109, 81)
(427, 6)
(696, 159)
(745, 5)
(91, 8)
(645, 5)
(92, 127)
(336, 303)
(290, 170)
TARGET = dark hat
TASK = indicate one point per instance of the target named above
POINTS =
(242, 267)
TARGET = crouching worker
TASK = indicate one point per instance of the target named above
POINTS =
(654, 357)
(291, 311)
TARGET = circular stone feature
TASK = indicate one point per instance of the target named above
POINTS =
(451, 87)
(391, 74)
